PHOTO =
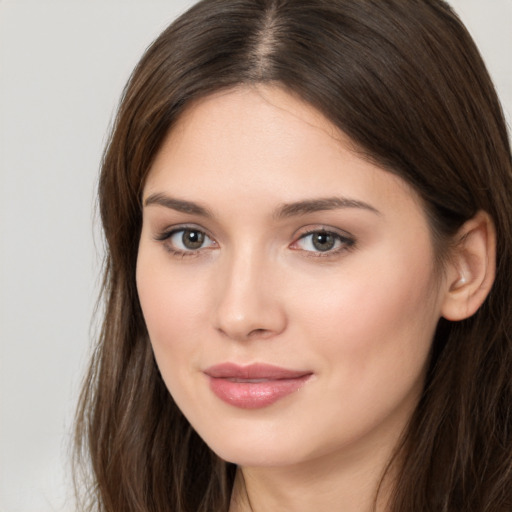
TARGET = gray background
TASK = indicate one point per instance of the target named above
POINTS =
(62, 67)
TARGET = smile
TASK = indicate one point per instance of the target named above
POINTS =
(254, 386)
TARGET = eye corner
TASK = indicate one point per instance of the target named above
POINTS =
(175, 242)
(322, 242)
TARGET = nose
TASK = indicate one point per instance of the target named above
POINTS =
(248, 300)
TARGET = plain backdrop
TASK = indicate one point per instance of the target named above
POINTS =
(63, 64)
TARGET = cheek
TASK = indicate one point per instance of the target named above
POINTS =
(174, 308)
(371, 334)
(377, 317)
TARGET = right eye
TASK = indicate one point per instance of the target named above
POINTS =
(186, 240)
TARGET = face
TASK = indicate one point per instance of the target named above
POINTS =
(287, 284)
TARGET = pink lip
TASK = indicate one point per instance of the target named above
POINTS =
(254, 386)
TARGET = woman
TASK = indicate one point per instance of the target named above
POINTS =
(307, 210)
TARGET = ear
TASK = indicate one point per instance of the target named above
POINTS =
(471, 268)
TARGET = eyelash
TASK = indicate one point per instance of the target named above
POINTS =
(345, 243)
(166, 236)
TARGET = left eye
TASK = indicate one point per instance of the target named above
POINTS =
(322, 241)
(190, 240)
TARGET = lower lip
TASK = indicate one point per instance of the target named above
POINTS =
(255, 395)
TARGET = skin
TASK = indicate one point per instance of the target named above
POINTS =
(359, 317)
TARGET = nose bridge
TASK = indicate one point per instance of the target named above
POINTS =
(248, 300)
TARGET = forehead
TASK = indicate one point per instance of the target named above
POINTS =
(262, 142)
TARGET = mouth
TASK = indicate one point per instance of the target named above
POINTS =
(254, 386)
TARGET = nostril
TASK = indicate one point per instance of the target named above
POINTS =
(251, 334)
(259, 333)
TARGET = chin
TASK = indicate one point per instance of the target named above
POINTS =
(252, 447)
(258, 456)
(263, 447)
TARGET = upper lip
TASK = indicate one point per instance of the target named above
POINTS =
(253, 371)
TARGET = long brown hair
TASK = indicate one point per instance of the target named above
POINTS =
(404, 80)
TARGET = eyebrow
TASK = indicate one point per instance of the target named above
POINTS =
(179, 205)
(286, 210)
(321, 204)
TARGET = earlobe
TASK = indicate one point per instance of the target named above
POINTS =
(471, 269)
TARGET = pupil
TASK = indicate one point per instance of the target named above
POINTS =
(323, 241)
(192, 239)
